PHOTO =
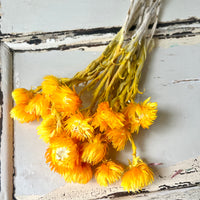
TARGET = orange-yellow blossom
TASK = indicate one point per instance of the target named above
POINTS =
(94, 151)
(78, 127)
(138, 176)
(50, 127)
(18, 112)
(106, 118)
(38, 105)
(62, 154)
(141, 114)
(118, 137)
(22, 95)
(66, 100)
(50, 85)
(79, 174)
(108, 172)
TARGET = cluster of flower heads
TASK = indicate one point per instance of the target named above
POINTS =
(78, 140)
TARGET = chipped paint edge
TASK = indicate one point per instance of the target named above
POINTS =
(180, 33)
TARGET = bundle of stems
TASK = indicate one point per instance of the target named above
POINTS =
(78, 140)
(115, 75)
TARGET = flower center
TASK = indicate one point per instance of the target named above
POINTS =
(62, 153)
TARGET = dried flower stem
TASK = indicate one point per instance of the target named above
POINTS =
(116, 73)
(133, 145)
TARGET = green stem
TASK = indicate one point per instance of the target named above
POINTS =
(133, 145)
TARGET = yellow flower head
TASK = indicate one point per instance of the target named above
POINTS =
(38, 105)
(22, 96)
(118, 137)
(79, 174)
(95, 150)
(108, 172)
(147, 113)
(141, 114)
(77, 126)
(19, 113)
(62, 154)
(50, 85)
(105, 117)
(137, 177)
(66, 100)
(50, 127)
(131, 116)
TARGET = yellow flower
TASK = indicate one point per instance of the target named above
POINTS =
(108, 172)
(131, 116)
(22, 96)
(62, 154)
(138, 176)
(105, 117)
(77, 126)
(95, 150)
(38, 105)
(118, 137)
(50, 127)
(50, 85)
(147, 113)
(79, 174)
(66, 100)
(19, 113)
(141, 114)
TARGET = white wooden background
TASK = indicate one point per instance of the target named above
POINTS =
(171, 77)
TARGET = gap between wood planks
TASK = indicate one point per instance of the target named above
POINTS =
(95, 37)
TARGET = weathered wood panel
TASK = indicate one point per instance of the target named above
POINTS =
(171, 77)
(22, 16)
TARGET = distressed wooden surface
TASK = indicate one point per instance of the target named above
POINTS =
(97, 37)
(167, 185)
(163, 79)
(176, 29)
(50, 16)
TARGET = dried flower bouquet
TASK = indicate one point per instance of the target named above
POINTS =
(79, 138)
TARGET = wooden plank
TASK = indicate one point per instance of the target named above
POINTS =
(50, 16)
(96, 37)
(7, 126)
